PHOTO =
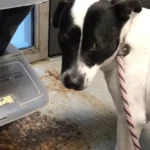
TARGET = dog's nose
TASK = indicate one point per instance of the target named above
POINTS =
(73, 82)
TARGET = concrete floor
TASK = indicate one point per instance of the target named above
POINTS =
(91, 110)
(72, 120)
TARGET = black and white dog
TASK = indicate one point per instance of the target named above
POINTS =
(90, 33)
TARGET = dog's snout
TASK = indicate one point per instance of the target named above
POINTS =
(73, 82)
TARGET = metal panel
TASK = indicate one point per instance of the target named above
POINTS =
(145, 3)
(53, 43)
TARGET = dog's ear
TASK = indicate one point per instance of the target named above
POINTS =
(58, 11)
(123, 8)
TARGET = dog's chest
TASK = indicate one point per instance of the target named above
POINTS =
(136, 87)
(136, 67)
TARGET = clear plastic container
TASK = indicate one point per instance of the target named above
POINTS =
(21, 91)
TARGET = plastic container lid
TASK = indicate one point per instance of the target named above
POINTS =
(5, 4)
(21, 91)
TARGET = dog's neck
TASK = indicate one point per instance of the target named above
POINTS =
(110, 63)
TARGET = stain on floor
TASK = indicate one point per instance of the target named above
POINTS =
(51, 79)
(67, 125)
(39, 132)
(71, 121)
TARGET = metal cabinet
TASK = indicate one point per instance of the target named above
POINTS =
(53, 43)
(145, 3)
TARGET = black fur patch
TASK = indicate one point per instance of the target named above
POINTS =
(101, 31)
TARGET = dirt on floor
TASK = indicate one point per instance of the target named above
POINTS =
(39, 132)
(45, 132)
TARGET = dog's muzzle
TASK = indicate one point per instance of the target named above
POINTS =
(73, 81)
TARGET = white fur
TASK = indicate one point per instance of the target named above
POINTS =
(89, 72)
(79, 11)
(137, 67)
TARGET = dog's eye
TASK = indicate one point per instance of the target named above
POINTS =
(64, 38)
(97, 45)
